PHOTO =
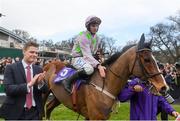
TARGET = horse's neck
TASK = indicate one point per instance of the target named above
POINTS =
(121, 69)
(118, 73)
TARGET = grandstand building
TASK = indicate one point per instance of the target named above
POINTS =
(11, 46)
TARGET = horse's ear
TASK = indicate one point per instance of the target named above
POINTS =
(144, 45)
(141, 42)
(149, 44)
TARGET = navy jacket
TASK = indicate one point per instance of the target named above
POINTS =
(16, 90)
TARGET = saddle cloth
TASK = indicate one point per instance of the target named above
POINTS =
(64, 74)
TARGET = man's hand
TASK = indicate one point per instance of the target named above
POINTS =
(138, 88)
(175, 114)
(41, 77)
(33, 81)
(102, 71)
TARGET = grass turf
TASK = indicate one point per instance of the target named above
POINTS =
(63, 113)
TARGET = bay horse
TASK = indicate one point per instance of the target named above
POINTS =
(95, 100)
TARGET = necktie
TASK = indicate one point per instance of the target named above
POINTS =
(29, 95)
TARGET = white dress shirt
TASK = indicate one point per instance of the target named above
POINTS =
(25, 68)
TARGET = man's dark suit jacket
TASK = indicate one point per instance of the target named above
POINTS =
(16, 90)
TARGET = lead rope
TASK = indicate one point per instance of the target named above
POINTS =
(78, 117)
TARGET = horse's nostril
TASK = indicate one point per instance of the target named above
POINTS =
(163, 90)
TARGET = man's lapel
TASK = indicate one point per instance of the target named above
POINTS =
(34, 70)
(21, 68)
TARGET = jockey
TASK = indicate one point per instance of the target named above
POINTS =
(85, 46)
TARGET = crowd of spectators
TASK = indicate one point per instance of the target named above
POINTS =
(5, 61)
(171, 72)
(8, 60)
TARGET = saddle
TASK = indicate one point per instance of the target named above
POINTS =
(64, 74)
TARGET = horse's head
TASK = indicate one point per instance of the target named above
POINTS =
(145, 66)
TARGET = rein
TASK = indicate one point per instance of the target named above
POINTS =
(145, 73)
(114, 73)
(102, 89)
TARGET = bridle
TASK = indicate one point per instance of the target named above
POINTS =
(143, 69)
(146, 74)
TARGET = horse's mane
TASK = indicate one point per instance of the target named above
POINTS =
(115, 56)
(58, 64)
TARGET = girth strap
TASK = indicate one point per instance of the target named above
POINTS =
(74, 98)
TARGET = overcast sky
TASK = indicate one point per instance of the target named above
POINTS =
(58, 20)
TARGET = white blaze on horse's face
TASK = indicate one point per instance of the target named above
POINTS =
(158, 81)
(148, 65)
(152, 72)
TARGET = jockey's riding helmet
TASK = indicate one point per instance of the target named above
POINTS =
(92, 20)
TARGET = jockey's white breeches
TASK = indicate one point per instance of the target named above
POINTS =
(79, 63)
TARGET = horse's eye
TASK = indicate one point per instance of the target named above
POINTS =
(147, 60)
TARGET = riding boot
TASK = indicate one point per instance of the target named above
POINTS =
(67, 82)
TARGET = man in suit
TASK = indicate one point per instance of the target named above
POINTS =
(24, 85)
